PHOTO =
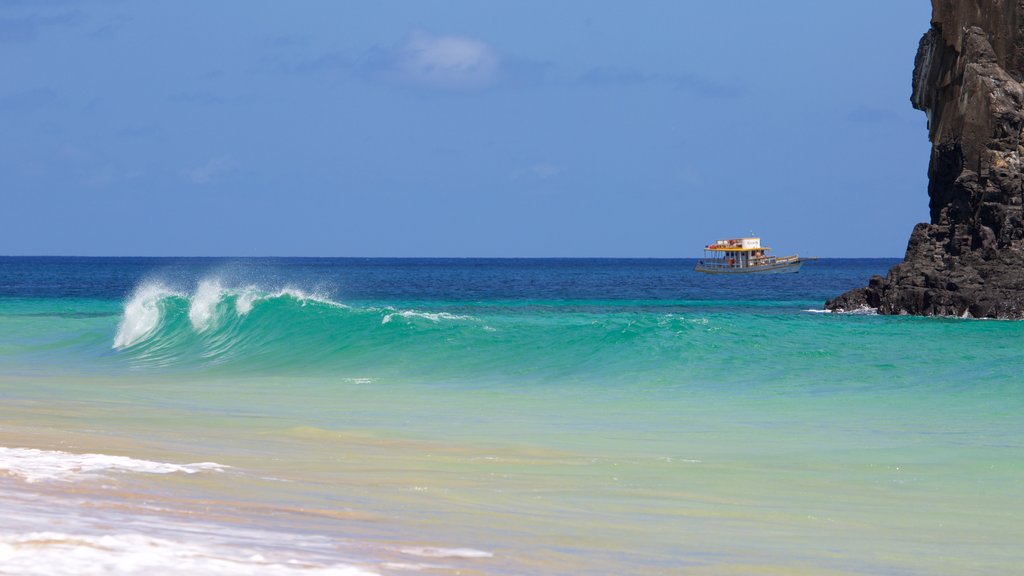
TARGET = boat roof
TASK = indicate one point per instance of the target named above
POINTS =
(748, 244)
(735, 249)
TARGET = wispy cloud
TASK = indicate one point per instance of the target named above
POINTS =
(706, 87)
(26, 28)
(112, 26)
(211, 170)
(466, 64)
(614, 76)
(436, 62)
(291, 54)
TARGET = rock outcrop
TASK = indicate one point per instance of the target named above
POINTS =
(969, 260)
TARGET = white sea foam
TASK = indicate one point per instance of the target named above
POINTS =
(306, 297)
(430, 552)
(866, 311)
(141, 314)
(408, 566)
(203, 304)
(34, 465)
(46, 553)
(245, 300)
(432, 316)
(247, 297)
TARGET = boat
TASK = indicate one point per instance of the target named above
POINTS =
(744, 256)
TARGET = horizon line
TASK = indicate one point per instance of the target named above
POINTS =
(424, 257)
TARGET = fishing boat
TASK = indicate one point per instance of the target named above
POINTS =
(744, 256)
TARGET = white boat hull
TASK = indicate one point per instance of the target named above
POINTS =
(784, 268)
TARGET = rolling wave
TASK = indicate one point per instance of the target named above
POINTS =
(215, 323)
(210, 306)
(289, 330)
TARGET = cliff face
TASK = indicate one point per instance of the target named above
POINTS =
(969, 260)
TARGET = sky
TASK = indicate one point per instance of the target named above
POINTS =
(459, 128)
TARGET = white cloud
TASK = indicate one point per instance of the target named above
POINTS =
(213, 168)
(440, 62)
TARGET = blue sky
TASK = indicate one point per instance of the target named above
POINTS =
(456, 128)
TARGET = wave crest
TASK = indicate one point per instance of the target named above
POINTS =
(265, 327)
(209, 306)
(432, 316)
(141, 314)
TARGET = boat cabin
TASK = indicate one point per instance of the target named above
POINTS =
(736, 253)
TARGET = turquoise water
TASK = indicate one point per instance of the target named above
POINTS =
(500, 417)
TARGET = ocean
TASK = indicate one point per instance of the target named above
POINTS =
(487, 416)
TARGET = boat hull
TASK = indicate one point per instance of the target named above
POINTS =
(785, 268)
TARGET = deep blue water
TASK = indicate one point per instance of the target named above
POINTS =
(438, 279)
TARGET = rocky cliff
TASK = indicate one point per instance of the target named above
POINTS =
(969, 260)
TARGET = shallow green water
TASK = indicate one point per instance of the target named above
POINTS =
(559, 435)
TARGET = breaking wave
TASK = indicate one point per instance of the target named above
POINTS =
(291, 330)
(217, 323)
(209, 306)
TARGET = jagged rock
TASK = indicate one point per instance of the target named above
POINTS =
(969, 259)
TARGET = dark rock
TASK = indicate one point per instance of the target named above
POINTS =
(969, 259)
